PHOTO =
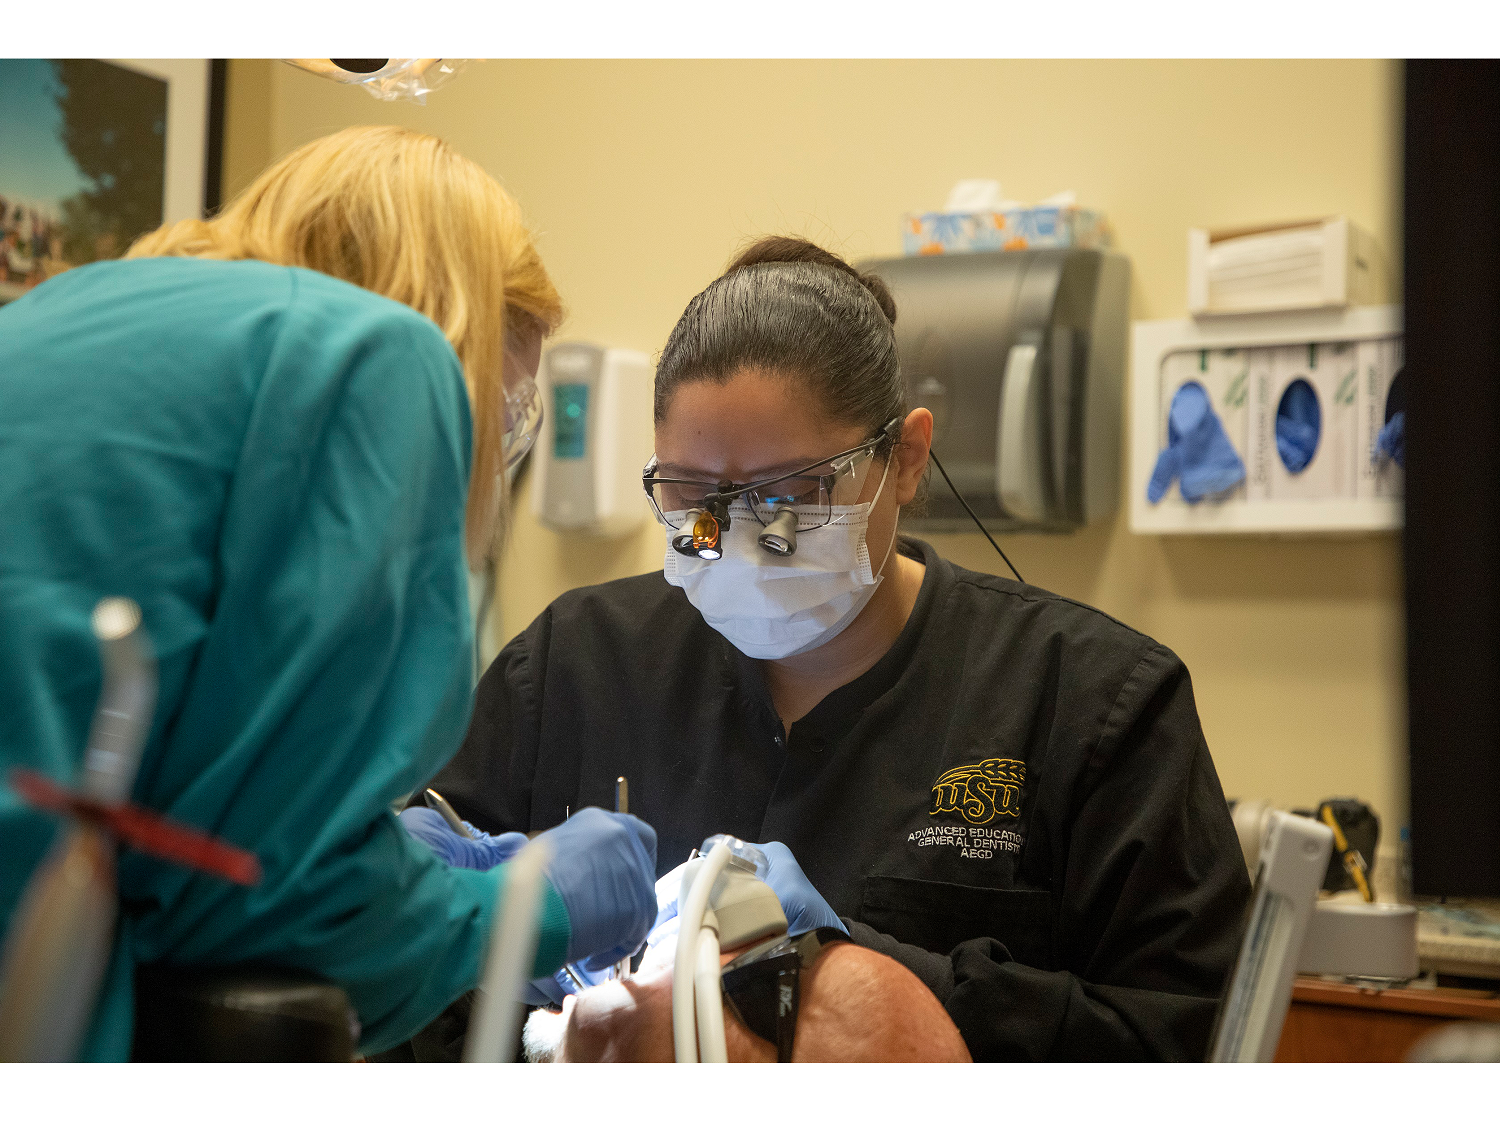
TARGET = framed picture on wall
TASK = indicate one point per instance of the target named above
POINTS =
(96, 152)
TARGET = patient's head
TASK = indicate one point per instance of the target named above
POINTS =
(856, 1006)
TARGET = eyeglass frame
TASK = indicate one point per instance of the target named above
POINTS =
(727, 491)
(763, 985)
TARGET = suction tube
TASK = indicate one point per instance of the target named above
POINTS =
(684, 1033)
(492, 1035)
(711, 1045)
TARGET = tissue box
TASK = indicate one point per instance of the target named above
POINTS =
(1379, 361)
(1330, 369)
(1225, 374)
(1020, 228)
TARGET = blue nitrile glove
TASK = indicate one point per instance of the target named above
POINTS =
(602, 867)
(804, 907)
(667, 888)
(1299, 421)
(480, 853)
(1198, 450)
(1391, 442)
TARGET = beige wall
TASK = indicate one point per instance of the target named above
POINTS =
(642, 177)
(247, 123)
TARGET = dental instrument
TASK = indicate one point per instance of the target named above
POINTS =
(63, 929)
(622, 805)
(439, 805)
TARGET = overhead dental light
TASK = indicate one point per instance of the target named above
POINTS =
(386, 79)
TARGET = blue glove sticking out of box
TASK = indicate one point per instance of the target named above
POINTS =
(1299, 424)
(1390, 443)
(1198, 450)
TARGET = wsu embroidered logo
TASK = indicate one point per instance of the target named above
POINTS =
(980, 792)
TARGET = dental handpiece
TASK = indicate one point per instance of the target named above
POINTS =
(57, 952)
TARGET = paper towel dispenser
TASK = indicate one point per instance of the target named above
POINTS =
(1020, 356)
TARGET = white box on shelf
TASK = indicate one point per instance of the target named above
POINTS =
(1224, 376)
(1157, 341)
(1315, 264)
(1379, 363)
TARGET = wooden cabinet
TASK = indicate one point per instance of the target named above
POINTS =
(1331, 1022)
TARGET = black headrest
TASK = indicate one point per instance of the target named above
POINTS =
(241, 1013)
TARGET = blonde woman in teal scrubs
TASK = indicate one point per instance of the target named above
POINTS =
(282, 432)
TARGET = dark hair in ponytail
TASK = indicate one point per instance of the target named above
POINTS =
(791, 308)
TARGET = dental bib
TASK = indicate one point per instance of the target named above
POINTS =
(774, 606)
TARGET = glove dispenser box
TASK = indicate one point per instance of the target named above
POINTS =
(1263, 377)
(1020, 356)
(1225, 376)
(1382, 394)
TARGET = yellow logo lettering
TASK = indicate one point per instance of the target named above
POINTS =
(980, 792)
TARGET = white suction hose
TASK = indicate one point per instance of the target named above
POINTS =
(690, 915)
(711, 1045)
(513, 939)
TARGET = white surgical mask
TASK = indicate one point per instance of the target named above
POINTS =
(774, 606)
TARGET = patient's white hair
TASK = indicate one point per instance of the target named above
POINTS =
(541, 1037)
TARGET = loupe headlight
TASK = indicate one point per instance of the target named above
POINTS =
(701, 531)
(386, 79)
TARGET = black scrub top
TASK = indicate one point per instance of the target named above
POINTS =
(1016, 801)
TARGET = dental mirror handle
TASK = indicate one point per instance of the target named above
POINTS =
(622, 805)
(437, 804)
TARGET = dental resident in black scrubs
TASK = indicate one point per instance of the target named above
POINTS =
(1005, 790)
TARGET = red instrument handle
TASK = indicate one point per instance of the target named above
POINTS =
(142, 829)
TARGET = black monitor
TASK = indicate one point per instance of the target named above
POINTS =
(1452, 537)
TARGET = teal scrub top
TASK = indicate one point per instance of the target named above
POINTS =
(273, 464)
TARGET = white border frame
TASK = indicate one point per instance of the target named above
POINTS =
(187, 131)
(1151, 340)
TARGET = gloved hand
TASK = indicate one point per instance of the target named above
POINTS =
(601, 868)
(667, 890)
(1198, 450)
(1298, 425)
(804, 907)
(480, 853)
(1391, 442)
